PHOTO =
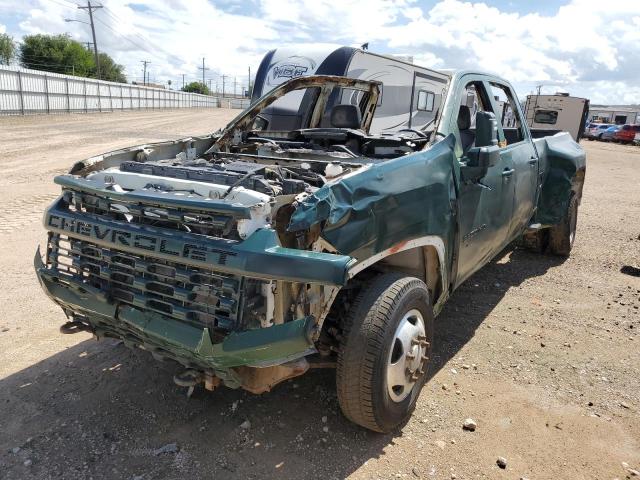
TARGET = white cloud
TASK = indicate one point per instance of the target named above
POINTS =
(581, 48)
(588, 47)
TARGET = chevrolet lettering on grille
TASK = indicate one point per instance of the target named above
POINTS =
(104, 233)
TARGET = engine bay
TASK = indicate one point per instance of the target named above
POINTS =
(196, 185)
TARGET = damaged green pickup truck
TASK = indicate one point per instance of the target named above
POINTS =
(255, 253)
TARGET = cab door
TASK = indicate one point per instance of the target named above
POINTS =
(485, 205)
(518, 151)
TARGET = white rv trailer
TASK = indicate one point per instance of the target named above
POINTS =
(410, 96)
(557, 112)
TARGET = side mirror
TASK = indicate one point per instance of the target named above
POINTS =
(486, 153)
(483, 157)
(479, 160)
(486, 129)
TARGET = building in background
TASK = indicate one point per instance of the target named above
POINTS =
(616, 114)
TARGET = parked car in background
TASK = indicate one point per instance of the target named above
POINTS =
(636, 140)
(608, 134)
(595, 130)
(627, 133)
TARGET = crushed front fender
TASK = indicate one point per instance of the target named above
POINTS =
(393, 201)
(563, 170)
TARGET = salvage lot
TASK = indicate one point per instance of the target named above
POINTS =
(542, 354)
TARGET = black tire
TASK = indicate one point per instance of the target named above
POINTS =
(368, 338)
(562, 235)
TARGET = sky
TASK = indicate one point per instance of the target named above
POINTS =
(589, 48)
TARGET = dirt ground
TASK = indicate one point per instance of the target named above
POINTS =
(543, 354)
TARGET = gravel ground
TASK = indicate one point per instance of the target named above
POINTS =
(542, 354)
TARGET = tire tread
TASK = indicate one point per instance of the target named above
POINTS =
(363, 337)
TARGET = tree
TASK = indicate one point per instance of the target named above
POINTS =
(56, 53)
(7, 49)
(109, 70)
(196, 87)
(61, 54)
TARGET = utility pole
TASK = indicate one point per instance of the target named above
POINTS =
(88, 44)
(234, 86)
(223, 78)
(144, 72)
(203, 68)
(183, 81)
(249, 82)
(90, 9)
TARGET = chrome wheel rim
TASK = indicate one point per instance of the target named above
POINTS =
(408, 356)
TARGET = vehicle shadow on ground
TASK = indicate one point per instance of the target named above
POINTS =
(476, 298)
(101, 410)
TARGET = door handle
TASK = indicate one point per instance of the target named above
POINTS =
(533, 160)
(507, 172)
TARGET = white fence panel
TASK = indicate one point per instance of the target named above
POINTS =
(24, 91)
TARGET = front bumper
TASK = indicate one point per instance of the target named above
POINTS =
(259, 256)
(187, 344)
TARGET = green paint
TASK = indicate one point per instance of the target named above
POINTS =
(564, 168)
(260, 256)
(474, 211)
(391, 202)
(259, 347)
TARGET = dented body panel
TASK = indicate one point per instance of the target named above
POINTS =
(234, 253)
(387, 204)
(564, 169)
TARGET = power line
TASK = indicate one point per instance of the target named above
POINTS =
(144, 38)
(131, 41)
(124, 37)
(64, 4)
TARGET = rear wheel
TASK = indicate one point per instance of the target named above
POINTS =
(562, 235)
(384, 352)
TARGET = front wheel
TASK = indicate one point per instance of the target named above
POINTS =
(385, 352)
